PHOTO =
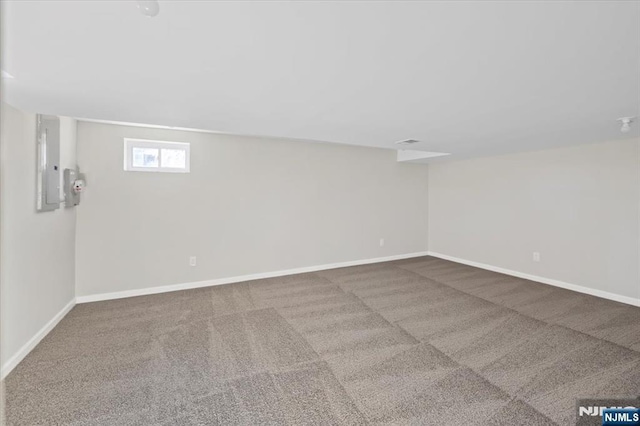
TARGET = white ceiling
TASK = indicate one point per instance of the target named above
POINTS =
(469, 78)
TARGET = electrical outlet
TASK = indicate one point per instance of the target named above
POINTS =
(381, 242)
(192, 261)
(536, 256)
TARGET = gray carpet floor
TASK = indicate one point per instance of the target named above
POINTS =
(417, 341)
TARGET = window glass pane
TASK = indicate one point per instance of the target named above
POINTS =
(174, 158)
(145, 157)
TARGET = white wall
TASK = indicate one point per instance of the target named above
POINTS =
(577, 206)
(249, 205)
(37, 250)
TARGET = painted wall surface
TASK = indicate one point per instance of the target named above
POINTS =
(578, 207)
(37, 249)
(249, 205)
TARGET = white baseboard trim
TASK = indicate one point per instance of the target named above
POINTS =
(556, 283)
(12, 362)
(237, 279)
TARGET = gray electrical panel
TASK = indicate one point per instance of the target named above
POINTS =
(48, 167)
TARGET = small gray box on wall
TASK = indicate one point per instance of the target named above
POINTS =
(73, 185)
(48, 167)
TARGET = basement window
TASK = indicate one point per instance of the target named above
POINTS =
(141, 155)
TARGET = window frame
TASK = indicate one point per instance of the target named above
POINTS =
(130, 143)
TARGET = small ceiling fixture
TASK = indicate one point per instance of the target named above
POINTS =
(149, 8)
(626, 123)
(407, 142)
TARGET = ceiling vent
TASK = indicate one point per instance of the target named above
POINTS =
(407, 142)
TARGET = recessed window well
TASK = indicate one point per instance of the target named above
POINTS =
(141, 155)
